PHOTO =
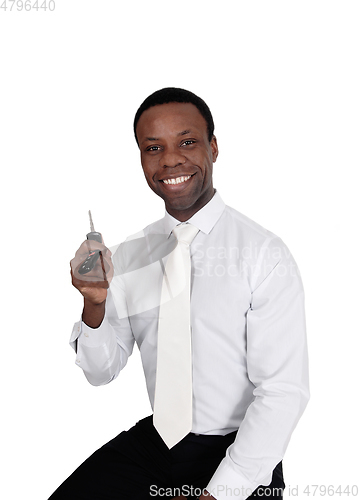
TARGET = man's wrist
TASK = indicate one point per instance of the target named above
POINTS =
(93, 314)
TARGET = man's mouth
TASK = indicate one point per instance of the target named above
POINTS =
(177, 180)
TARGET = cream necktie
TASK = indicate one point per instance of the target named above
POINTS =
(173, 390)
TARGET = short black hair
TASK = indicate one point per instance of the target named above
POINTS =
(173, 94)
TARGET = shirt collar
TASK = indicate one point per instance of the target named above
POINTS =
(205, 219)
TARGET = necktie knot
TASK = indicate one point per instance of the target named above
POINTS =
(185, 233)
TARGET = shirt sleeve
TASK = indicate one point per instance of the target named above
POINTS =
(277, 366)
(103, 352)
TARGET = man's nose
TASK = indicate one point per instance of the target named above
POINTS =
(172, 158)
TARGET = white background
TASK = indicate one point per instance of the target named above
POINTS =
(282, 80)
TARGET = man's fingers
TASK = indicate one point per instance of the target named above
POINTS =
(88, 246)
(89, 282)
(102, 271)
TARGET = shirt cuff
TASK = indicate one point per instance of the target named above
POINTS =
(227, 484)
(89, 337)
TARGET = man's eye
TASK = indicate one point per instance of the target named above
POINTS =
(188, 142)
(153, 148)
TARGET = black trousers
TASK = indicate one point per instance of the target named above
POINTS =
(137, 465)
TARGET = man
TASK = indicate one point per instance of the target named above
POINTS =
(248, 380)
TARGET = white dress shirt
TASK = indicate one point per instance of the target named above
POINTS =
(250, 368)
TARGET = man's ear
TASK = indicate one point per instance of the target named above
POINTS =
(214, 148)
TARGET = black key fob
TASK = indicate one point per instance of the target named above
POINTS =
(89, 262)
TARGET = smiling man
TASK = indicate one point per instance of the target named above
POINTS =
(177, 157)
(214, 302)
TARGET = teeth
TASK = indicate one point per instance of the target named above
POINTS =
(178, 180)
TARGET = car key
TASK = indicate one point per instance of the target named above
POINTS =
(91, 259)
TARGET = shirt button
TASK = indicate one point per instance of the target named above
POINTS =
(86, 334)
(78, 361)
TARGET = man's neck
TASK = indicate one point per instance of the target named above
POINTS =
(184, 215)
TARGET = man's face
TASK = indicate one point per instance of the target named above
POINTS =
(177, 157)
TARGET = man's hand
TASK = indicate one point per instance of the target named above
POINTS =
(94, 284)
